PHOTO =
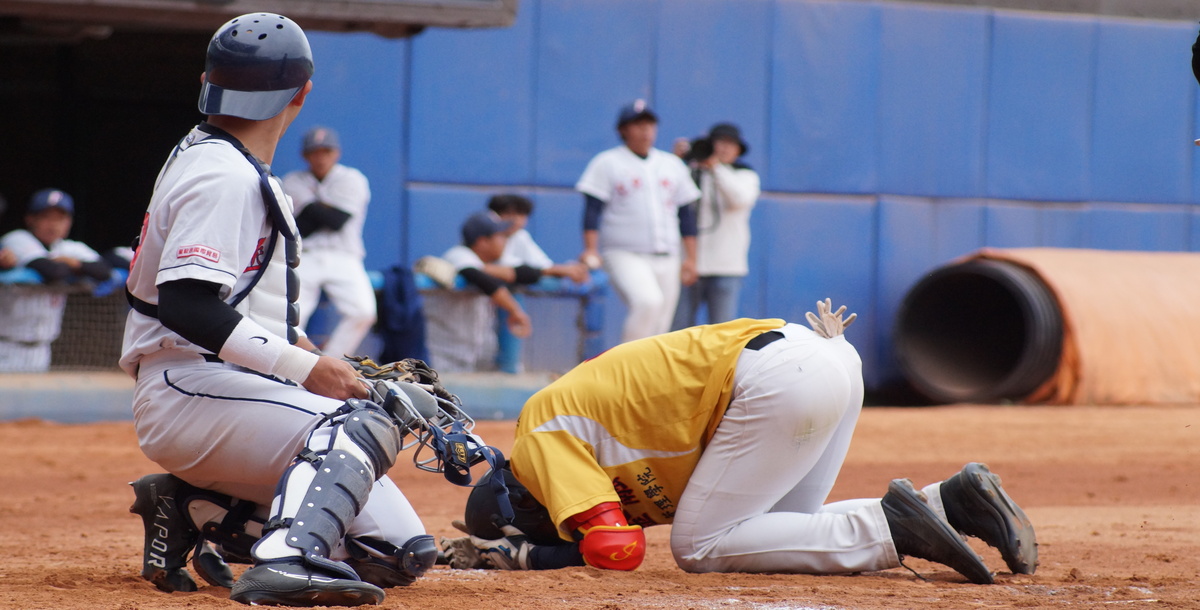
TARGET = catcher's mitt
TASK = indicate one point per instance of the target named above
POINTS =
(411, 370)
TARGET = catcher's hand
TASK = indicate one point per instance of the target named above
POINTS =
(508, 553)
(828, 323)
(411, 370)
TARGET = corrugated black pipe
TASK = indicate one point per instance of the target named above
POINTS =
(979, 331)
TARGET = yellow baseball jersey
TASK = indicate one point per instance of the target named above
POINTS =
(629, 425)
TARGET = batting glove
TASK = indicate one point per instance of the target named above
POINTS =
(508, 553)
(829, 323)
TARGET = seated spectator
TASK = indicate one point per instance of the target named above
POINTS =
(31, 320)
(461, 325)
(522, 250)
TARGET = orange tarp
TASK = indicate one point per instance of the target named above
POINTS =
(1131, 324)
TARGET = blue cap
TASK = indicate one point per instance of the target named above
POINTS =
(320, 137)
(482, 224)
(46, 199)
(638, 109)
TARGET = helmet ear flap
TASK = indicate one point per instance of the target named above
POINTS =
(530, 516)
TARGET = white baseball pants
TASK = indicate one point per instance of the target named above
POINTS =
(756, 501)
(649, 286)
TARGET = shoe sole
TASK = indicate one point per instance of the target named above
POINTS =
(1019, 548)
(310, 597)
(914, 501)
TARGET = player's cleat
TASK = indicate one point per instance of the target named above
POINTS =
(211, 566)
(169, 535)
(292, 583)
(978, 506)
(917, 531)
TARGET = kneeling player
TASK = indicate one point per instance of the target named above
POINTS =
(734, 433)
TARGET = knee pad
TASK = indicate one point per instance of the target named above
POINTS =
(384, 565)
(374, 432)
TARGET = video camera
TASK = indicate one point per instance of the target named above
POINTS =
(700, 149)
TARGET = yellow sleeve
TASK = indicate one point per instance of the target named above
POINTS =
(574, 484)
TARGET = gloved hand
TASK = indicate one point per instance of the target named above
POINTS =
(508, 553)
(460, 553)
(828, 323)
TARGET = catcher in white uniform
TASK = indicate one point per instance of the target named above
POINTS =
(637, 222)
(734, 433)
(229, 397)
(331, 206)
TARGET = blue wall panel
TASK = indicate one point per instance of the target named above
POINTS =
(1156, 228)
(472, 107)
(916, 236)
(450, 206)
(593, 58)
(823, 247)
(1039, 107)
(712, 67)
(824, 63)
(1141, 143)
(346, 96)
(557, 224)
(1012, 225)
(1064, 226)
(932, 87)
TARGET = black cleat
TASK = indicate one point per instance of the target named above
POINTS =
(978, 506)
(169, 535)
(211, 566)
(917, 531)
(294, 583)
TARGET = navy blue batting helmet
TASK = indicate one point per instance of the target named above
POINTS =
(256, 64)
(483, 510)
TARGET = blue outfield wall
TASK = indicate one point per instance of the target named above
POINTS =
(891, 138)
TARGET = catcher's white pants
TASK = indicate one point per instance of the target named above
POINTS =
(346, 285)
(649, 286)
(756, 501)
(221, 428)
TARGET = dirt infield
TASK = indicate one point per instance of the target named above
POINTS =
(1112, 492)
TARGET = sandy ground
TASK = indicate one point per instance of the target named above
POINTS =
(1112, 493)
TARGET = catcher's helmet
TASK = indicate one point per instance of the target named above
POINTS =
(256, 64)
(483, 509)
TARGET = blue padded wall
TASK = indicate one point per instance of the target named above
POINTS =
(450, 206)
(821, 247)
(932, 88)
(916, 236)
(712, 67)
(1015, 225)
(365, 103)
(592, 58)
(1142, 143)
(1112, 227)
(824, 61)
(557, 223)
(1039, 107)
(472, 106)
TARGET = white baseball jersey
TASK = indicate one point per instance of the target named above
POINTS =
(522, 250)
(461, 324)
(723, 219)
(333, 260)
(642, 199)
(206, 221)
(344, 188)
(35, 315)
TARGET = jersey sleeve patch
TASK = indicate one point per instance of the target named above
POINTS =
(200, 251)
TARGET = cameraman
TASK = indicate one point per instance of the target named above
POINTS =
(729, 189)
